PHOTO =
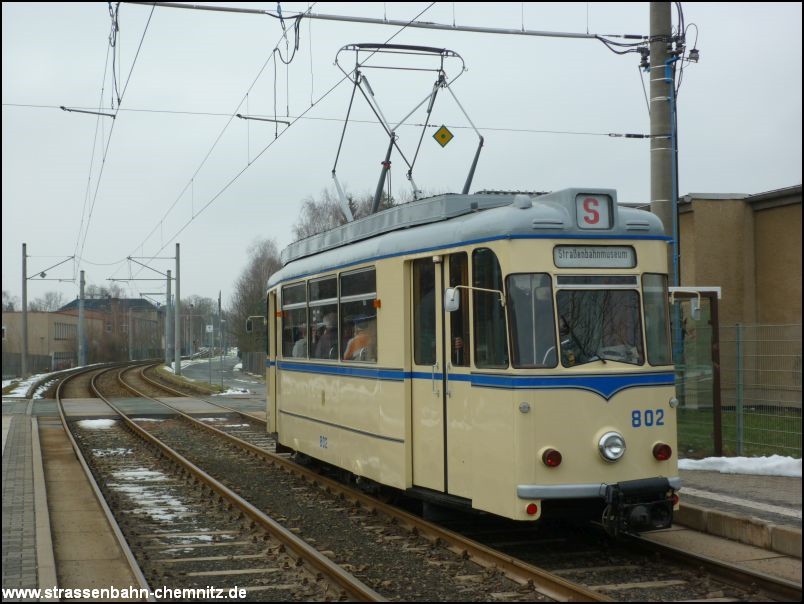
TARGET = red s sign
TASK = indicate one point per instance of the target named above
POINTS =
(591, 215)
(593, 211)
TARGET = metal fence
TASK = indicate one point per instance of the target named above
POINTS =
(760, 389)
(254, 362)
(37, 363)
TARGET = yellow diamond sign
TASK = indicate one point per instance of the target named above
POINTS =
(443, 136)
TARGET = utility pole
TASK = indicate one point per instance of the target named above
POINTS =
(663, 193)
(130, 334)
(82, 347)
(24, 360)
(210, 329)
(220, 334)
(177, 320)
(168, 333)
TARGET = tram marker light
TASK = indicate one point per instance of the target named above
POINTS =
(551, 458)
(532, 509)
(662, 451)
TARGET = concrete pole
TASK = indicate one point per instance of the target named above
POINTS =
(24, 359)
(82, 346)
(220, 334)
(662, 189)
(168, 333)
(130, 334)
(177, 319)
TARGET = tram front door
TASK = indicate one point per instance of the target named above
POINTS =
(441, 426)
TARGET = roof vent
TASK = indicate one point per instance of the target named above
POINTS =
(522, 202)
(637, 225)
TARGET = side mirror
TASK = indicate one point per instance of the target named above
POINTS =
(249, 326)
(695, 309)
(452, 299)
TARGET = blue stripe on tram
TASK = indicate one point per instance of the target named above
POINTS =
(604, 385)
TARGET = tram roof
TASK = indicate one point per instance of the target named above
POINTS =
(421, 225)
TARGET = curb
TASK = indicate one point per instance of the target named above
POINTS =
(45, 561)
(751, 531)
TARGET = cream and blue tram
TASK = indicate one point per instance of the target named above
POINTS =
(508, 353)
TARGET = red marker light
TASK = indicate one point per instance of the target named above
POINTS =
(551, 458)
(532, 509)
(662, 451)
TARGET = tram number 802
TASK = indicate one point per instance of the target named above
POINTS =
(647, 418)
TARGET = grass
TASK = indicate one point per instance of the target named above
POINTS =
(765, 432)
(200, 387)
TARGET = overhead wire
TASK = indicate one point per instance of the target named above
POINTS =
(231, 116)
(91, 164)
(111, 132)
(351, 120)
(270, 144)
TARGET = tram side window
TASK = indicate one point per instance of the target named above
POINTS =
(294, 321)
(533, 333)
(424, 312)
(654, 291)
(359, 316)
(491, 349)
(267, 332)
(459, 320)
(323, 295)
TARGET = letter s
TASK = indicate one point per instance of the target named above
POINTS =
(592, 216)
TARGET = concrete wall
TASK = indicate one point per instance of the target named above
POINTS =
(751, 248)
(777, 241)
(42, 332)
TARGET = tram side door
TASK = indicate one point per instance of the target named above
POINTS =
(428, 431)
(457, 379)
(270, 384)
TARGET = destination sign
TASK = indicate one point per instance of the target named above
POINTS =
(593, 211)
(594, 256)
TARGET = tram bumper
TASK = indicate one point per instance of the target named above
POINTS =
(638, 505)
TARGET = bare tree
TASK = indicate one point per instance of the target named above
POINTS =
(324, 213)
(249, 297)
(10, 303)
(50, 302)
(198, 312)
(112, 290)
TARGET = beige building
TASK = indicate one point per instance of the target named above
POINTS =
(116, 330)
(750, 246)
(52, 339)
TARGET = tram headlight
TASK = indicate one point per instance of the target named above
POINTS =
(611, 446)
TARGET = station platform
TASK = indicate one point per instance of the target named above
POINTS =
(761, 511)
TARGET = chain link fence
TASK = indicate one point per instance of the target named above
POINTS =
(37, 363)
(760, 389)
(254, 362)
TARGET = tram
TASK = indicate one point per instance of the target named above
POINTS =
(507, 353)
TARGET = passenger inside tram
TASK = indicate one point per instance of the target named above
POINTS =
(327, 345)
(300, 345)
(361, 346)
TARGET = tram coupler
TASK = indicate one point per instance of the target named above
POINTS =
(635, 506)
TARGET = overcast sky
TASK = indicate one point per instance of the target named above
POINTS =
(739, 122)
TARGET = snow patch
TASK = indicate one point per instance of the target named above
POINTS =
(97, 424)
(775, 465)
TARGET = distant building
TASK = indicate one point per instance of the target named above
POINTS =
(52, 340)
(750, 245)
(116, 329)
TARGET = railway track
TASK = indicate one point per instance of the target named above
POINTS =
(395, 557)
(187, 531)
(485, 562)
(624, 570)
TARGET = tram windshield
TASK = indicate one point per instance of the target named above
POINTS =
(599, 325)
